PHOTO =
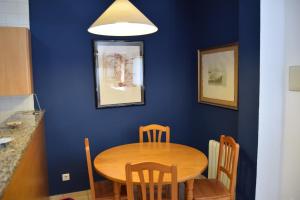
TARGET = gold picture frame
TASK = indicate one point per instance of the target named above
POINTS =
(218, 76)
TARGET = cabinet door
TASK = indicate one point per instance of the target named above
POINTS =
(15, 62)
(30, 178)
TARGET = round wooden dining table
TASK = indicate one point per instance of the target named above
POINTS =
(190, 162)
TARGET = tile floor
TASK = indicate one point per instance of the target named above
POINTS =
(82, 195)
(85, 195)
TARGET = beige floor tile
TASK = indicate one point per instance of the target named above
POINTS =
(82, 195)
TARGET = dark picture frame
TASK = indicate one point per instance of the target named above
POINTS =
(119, 73)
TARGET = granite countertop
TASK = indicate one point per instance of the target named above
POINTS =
(11, 154)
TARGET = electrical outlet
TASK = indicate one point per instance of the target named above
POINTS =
(65, 177)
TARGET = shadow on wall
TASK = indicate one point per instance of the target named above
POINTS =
(246, 177)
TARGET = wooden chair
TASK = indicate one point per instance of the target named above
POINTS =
(227, 166)
(154, 133)
(151, 177)
(100, 190)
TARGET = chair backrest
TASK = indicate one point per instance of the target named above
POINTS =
(228, 160)
(154, 133)
(151, 174)
(90, 168)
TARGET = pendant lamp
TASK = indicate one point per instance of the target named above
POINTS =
(122, 18)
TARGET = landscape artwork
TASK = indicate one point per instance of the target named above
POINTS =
(218, 76)
(119, 73)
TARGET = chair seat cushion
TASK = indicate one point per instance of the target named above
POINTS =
(104, 190)
(210, 189)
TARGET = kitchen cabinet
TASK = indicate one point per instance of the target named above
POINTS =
(15, 62)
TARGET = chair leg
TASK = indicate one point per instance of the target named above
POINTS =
(189, 189)
(117, 191)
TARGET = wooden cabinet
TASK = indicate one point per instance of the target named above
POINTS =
(30, 179)
(15, 62)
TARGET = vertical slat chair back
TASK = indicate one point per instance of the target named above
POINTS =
(90, 168)
(154, 133)
(146, 173)
(213, 156)
(228, 160)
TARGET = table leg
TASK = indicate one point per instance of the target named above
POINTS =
(117, 191)
(189, 187)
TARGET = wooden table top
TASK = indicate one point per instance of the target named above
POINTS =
(111, 163)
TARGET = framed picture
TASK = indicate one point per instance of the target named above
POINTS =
(119, 73)
(218, 76)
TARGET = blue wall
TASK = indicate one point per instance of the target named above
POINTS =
(64, 81)
(249, 38)
(215, 23)
(219, 22)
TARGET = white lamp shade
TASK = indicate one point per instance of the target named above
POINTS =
(122, 18)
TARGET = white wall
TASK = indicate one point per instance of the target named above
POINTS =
(290, 189)
(14, 13)
(9, 105)
(272, 62)
(278, 165)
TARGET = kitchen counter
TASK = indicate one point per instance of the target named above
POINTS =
(11, 154)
